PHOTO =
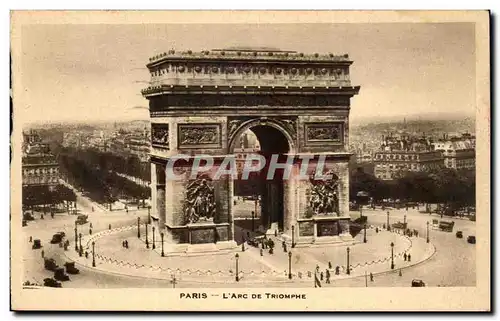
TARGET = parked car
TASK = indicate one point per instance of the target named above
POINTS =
(70, 268)
(57, 238)
(50, 282)
(471, 239)
(460, 234)
(28, 216)
(82, 219)
(50, 264)
(36, 244)
(417, 283)
(60, 275)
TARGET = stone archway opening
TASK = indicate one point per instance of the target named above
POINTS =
(260, 198)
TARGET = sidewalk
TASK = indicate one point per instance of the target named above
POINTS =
(139, 261)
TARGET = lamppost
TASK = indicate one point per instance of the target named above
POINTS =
(162, 253)
(290, 265)
(93, 254)
(139, 227)
(348, 267)
(388, 226)
(81, 248)
(147, 241)
(154, 246)
(293, 236)
(392, 255)
(364, 237)
(427, 231)
(76, 237)
(237, 277)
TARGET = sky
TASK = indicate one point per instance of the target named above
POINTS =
(96, 72)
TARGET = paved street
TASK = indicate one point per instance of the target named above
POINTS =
(453, 264)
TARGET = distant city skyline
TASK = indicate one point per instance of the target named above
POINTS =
(95, 72)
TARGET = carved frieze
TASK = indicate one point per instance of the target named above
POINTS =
(322, 196)
(199, 136)
(199, 202)
(159, 135)
(321, 133)
(163, 103)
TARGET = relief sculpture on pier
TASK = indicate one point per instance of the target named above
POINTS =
(199, 204)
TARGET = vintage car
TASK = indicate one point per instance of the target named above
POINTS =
(82, 219)
(446, 226)
(460, 234)
(471, 239)
(57, 238)
(70, 268)
(417, 283)
(28, 216)
(50, 264)
(36, 244)
(60, 275)
(399, 225)
(50, 282)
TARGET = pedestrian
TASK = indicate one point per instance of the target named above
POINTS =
(41, 216)
(300, 275)
(400, 274)
(321, 276)
(86, 254)
(327, 273)
(405, 256)
(376, 229)
(31, 239)
(284, 247)
(248, 234)
(242, 247)
(262, 244)
(309, 274)
(90, 231)
(43, 253)
(409, 258)
(126, 244)
(90, 225)
(261, 252)
(337, 270)
(109, 226)
(276, 233)
(371, 277)
(329, 265)
(123, 243)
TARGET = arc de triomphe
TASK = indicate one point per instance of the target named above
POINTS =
(296, 104)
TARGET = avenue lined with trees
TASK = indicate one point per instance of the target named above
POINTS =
(96, 173)
(453, 189)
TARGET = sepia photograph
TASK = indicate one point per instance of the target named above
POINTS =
(258, 161)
